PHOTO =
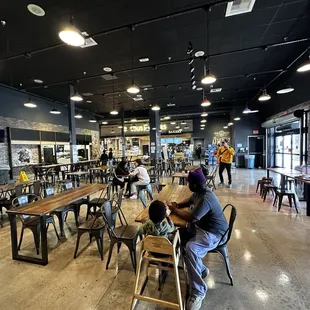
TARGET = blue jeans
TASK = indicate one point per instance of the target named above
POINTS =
(196, 249)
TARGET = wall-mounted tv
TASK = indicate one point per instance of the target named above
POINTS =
(2, 135)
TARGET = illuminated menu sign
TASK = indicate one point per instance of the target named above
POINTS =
(142, 128)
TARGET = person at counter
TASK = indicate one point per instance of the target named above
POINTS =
(141, 177)
(104, 158)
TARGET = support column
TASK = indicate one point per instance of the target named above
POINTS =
(72, 131)
(123, 134)
(155, 146)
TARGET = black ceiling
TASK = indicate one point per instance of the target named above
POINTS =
(247, 51)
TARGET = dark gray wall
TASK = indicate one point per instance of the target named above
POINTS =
(12, 105)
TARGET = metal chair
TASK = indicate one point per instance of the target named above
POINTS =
(63, 211)
(36, 188)
(141, 192)
(211, 178)
(31, 222)
(222, 247)
(127, 234)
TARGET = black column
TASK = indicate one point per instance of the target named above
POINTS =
(155, 148)
(123, 135)
(72, 131)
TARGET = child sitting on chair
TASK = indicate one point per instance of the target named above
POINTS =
(159, 224)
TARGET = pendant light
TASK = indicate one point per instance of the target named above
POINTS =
(29, 104)
(156, 107)
(248, 111)
(134, 120)
(285, 90)
(208, 78)
(304, 67)
(205, 102)
(177, 126)
(167, 117)
(71, 36)
(237, 118)
(183, 123)
(79, 116)
(203, 121)
(172, 123)
(230, 124)
(55, 111)
(114, 111)
(120, 126)
(76, 97)
(264, 96)
(204, 114)
(132, 89)
(92, 121)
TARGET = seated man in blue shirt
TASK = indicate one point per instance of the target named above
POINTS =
(207, 226)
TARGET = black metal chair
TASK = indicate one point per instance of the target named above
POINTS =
(127, 234)
(222, 246)
(211, 178)
(63, 211)
(290, 195)
(31, 222)
(95, 203)
(36, 188)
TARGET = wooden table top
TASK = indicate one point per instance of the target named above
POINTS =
(11, 187)
(77, 173)
(180, 175)
(191, 168)
(100, 168)
(68, 164)
(173, 193)
(291, 173)
(49, 204)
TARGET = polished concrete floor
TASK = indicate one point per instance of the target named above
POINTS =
(269, 254)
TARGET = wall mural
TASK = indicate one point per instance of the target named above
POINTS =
(220, 136)
(24, 154)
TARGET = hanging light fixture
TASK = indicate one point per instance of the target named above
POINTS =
(285, 90)
(104, 123)
(248, 111)
(183, 123)
(172, 123)
(203, 121)
(133, 120)
(230, 124)
(55, 111)
(78, 115)
(71, 36)
(208, 77)
(114, 112)
(167, 117)
(204, 114)
(120, 126)
(92, 121)
(29, 104)
(264, 96)
(133, 89)
(177, 127)
(237, 118)
(156, 107)
(225, 127)
(305, 66)
(76, 97)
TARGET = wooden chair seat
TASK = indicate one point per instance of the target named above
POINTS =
(93, 224)
(126, 232)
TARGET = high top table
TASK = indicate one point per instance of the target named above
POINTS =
(40, 209)
(296, 175)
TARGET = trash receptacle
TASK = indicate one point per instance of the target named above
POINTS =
(4, 174)
(249, 161)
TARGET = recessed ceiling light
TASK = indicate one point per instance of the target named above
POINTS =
(199, 53)
(92, 121)
(55, 111)
(71, 36)
(107, 69)
(38, 81)
(104, 123)
(194, 87)
(199, 88)
(88, 101)
(35, 10)
(202, 128)
(144, 59)
(170, 104)
(30, 104)
(78, 116)
(285, 90)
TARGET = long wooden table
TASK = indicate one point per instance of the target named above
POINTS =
(173, 193)
(40, 209)
(296, 175)
(11, 187)
(182, 177)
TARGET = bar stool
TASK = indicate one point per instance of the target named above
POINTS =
(259, 182)
(262, 185)
(141, 192)
(290, 195)
(267, 188)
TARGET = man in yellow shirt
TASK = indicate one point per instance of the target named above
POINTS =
(225, 156)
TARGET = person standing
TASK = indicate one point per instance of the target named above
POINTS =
(207, 227)
(104, 158)
(225, 156)
(110, 156)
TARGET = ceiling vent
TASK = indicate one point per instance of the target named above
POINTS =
(88, 40)
(239, 7)
(109, 77)
(215, 90)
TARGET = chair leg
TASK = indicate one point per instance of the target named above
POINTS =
(56, 232)
(36, 235)
(275, 199)
(21, 237)
(177, 283)
(110, 252)
(265, 194)
(131, 245)
(290, 200)
(280, 202)
(133, 300)
(224, 252)
(295, 203)
(257, 187)
(213, 182)
(77, 243)
(99, 240)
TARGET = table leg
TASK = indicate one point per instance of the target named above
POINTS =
(12, 218)
(307, 197)
(268, 173)
(78, 181)
(44, 240)
(91, 176)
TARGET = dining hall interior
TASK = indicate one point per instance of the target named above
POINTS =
(154, 154)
